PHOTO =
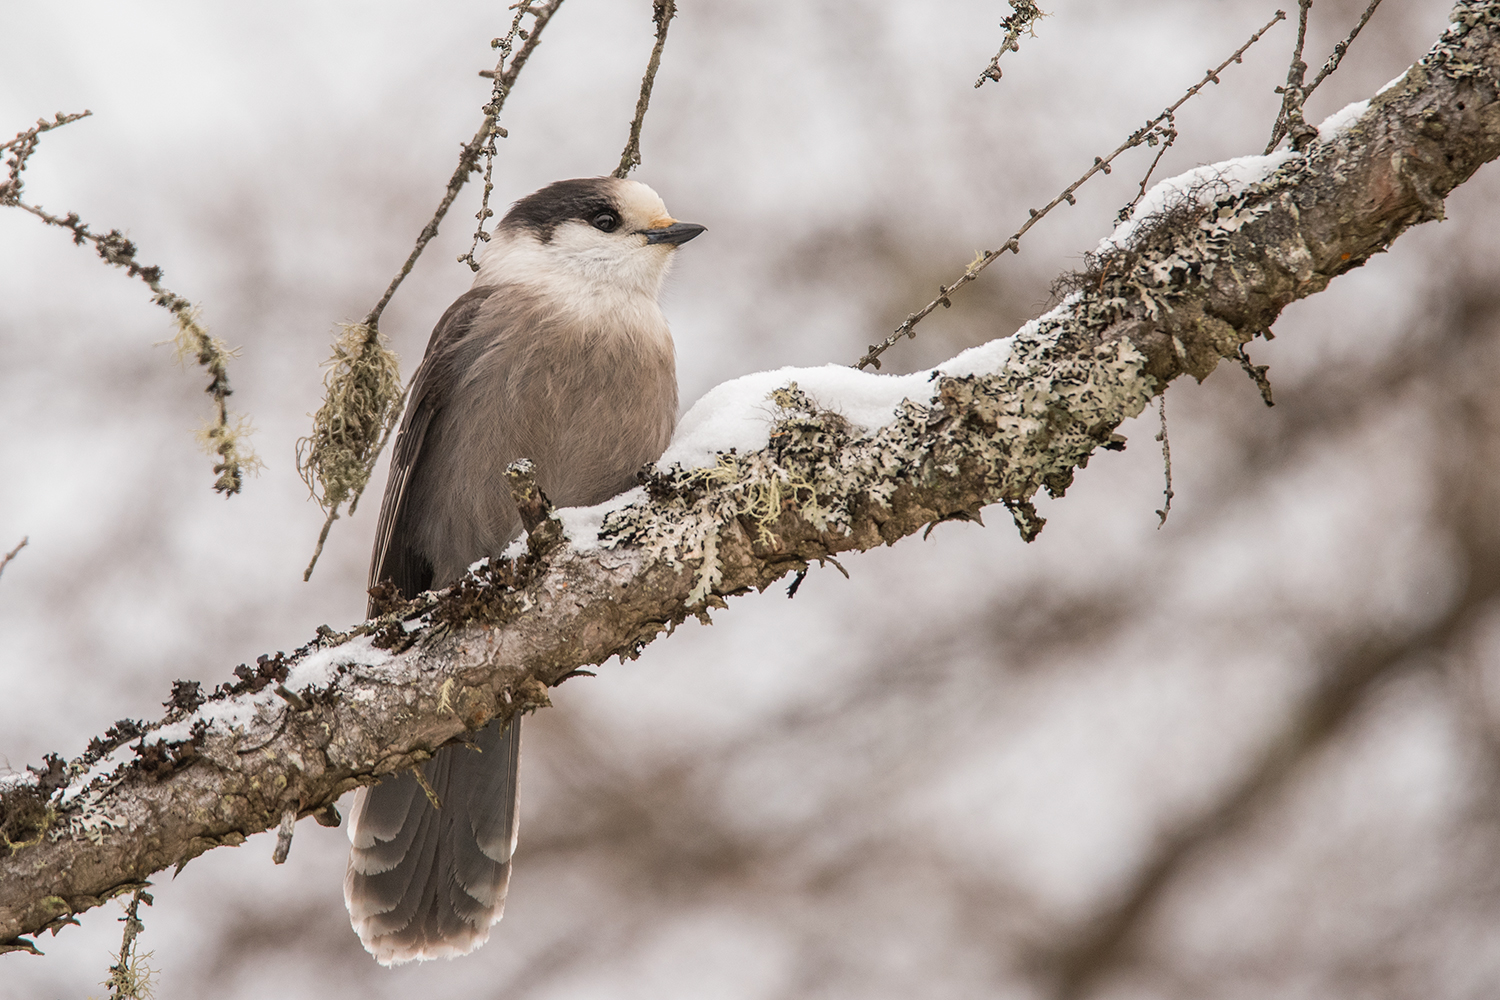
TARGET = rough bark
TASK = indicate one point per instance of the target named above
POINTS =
(293, 733)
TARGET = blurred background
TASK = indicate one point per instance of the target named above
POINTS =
(1252, 753)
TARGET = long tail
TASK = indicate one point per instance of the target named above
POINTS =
(427, 882)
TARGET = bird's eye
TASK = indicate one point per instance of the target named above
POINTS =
(606, 222)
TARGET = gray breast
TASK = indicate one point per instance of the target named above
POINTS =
(589, 402)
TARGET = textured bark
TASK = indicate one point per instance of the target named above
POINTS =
(296, 732)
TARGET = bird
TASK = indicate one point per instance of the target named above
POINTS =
(559, 354)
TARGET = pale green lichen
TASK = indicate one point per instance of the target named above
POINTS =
(224, 436)
(363, 393)
(362, 403)
(91, 821)
(1009, 434)
(1453, 56)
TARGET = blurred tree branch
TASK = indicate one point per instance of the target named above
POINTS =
(221, 436)
(295, 732)
(12, 554)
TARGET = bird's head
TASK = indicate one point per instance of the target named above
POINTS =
(600, 231)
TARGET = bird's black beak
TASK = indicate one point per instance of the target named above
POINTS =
(677, 233)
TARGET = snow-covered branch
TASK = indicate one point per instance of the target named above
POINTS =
(767, 475)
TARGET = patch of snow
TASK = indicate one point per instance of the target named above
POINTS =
(321, 668)
(1342, 119)
(103, 768)
(233, 713)
(226, 715)
(738, 414)
(985, 359)
(1207, 183)
(1390, 85)
(582, 524)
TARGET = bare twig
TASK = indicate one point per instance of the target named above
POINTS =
(504, 76)
(1166, 459)
(662, 12)
(23, 145)
(284, 837)
(1165, 139)
(221, 436)
(983, 259)
(345, 443)
(12, 554)
(1338, 51)
(544, 532)
(1294, 95)
(427, 789)
(1289, 119)
(1024, 17)
(1257, 375)
(130, 977)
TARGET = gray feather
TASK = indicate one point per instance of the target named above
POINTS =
(425, 882)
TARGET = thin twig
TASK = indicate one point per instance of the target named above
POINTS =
(129, 977)
(1166, 460)
(24, 144)
(1167, 137)
(427, 789)
(1294, 94)
(1257, 375)
(662, 12)
(985, 258)
(221, 436)
(1289, 119)
(1024, 17)
(284, 837)
(504, 76)
(12, 554)
(359, 437)
(1338, 50)
(468, 158)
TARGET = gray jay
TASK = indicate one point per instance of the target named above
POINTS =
(559, 354)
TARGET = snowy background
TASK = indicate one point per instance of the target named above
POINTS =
(1253, 753)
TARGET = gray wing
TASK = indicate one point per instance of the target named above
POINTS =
(426, 882)
(396, 557)
(429, 883)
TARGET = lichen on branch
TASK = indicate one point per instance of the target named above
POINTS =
(292, 733)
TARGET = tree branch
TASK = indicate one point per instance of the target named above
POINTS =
(1185, 288)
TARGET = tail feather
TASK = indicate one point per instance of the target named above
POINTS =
(427, 882)
(383, 836)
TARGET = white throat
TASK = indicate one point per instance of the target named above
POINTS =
(601, 280)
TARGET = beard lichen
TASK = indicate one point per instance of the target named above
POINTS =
(363, 399)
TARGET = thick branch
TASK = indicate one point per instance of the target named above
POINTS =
(1188, 287)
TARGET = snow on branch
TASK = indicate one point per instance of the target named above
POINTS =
(767, 475)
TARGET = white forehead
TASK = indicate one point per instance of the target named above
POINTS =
(640, 203)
